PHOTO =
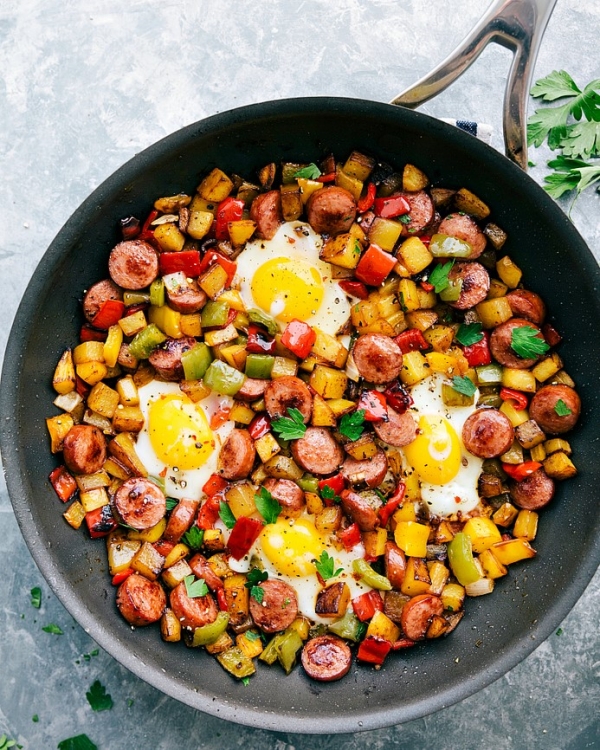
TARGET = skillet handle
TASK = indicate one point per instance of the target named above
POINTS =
(517, 25)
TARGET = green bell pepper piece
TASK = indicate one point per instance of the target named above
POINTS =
(157, 293)
(489, 374)
(135, 298)
(146, 341)
(214, 314)
(450, 397)
(271, 650)
(259, 366)
(371, 577)
(207, 634)
(223, 379)
(287, 649)
(452, 292)
(308, 483)
(196, 361)
(446, 246)
(490, 399)
(262, 319)
(235, 661)
(460, 557)
(348, 627)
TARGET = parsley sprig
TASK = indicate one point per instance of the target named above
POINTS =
(226, 515)
(561, 409)
(525, 342)
(309, 172)
(469, 334)
(439, 276)
(254, 579)
(266, 505)
(195, 588)
(291, 427)
(352, 425)
(464, 385)
(80, 742)
(326, 566)
(98, 698)
(36, 597)
(193, 538)
(328, 493)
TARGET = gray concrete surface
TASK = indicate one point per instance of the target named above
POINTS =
(84, 86)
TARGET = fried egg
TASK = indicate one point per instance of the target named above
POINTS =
(177, 442)
(448, 473)
(285, 278)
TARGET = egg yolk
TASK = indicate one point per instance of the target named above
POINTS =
(287, 289)
(435, 453)
(179, 432)
(291, 548)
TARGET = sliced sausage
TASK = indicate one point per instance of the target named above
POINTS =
(378, 358)
(84, 449)
(201, 569)
(501, 341)
(252, 390)
(140, 601)
(279, 606)
(399, 430)
(475, 284)
(133, 264)
(318, 452)
(370, 471)
(97, 295)
(237, 455)
(186, 298)
(181, 518)
(488, 433)
(533, 492)
(362, 508)
(528, 305)
(421, 212)
(418, 613)
(542, 408)
(464, 228)
(140, 503)
(266, 212)
(166, 359)
(331, 210)
(326, 658)
(286, 393)
(192, 612)
(395, 564)
(287, 494)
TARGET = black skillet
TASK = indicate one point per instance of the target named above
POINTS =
(498, 631)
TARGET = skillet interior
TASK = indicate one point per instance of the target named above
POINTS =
(498, 631)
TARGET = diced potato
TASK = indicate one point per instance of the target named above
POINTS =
(564, 378)
(250, 642)
(359, 165)
(191, 324)
(439, 575)
(266, 175)
(439, 337)
(382, 627)
(444, 363)
(441, 197)
(103, 399)
(482, 532)
(547, 367)
(516, 416)
(178, 553)
(414, 368)
(194, 389)
(509, 272)
(512, 551)
(64, 375)
(234, 354)
(175, 573)
(75, 514)
(421, 319)
(406, 512)
(518, 380)
(291, 201)
(89, 351)
(329, 349)
(333, 601)
(322, 416)
(497, 289)
(213, 281)
(352, 184)
(94, 499)
(199, 224)
(308, 187)
(241, 412)
(363, 314)
(223, 643)
(116, 469)
(328, 382)
(170, 239)
(340, 406)
(437, 627)
(444, 533)
(128, 419)
(221, 336)
(214, 540)
(374, 542)
(492, 312)
(267, 447)
(147, 561)
(329, 519)
(240, 498)
(216, 186)
(385, 233)
(123, 449)
(416, 578)
(408, 294)
(343, 250)
(415, 255)
(151, 535)
(557, 444)
(465, 200)
(58, 428)
(234, 300)
(526, 525)
(385, 327)
(413, 179)
(282, 367)
(529, 434)
(495, 235)
(170, 627)
(514, 455)
(241, 231)
(537, 453)
(363, 448)
(427, 300)
(505, 515)
(453, 597)
(314, 504)
(238, 598)
(559, 466)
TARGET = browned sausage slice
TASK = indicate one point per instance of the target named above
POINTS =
(97, 295)
(192, 612)
(318, 452)
(201, 569)
(378, 358)
(140, 601)
(140, 503)
(331, 210)
(488, 433)
(278, 608)
(326, 658)
(181, 518)
(184, 295)
(528, 305)
(543, 408)
(395, 564)
(533, 492)
(252, 390)
(133, 264)
(287, 494)
(421, 212)
(84, 449)
(370, 471)
(399, 430)
(363, 509)
(501, 344)
(475, 284)
(418, 613)
(286, 393)
(266, 212)
(465, 228)
(166, 359)
(237, 454)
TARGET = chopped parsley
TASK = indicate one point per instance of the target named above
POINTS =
(171, 503)
(5, 743)
(469, 334)
(226, 515)
(36, 597)
(464, 385)
(326, 566)
(290, 428)
(328, 493)
(98, 698)
(439, 276)
(80, 742)
(525, 342)
(561, 408)
(352, 425)
(254, 578)
(195, 588)
(267, 506)
(245, 681)
(193, 538)
(310, 172)
(52, 628)
(559, 631)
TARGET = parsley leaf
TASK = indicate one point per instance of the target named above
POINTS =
(80, 742)
(570, 174)
(257, 593)
(5, 743)
(326, 566)
(581, 140)
(464, 385)
(469, 333)
(36, 597)
(252, 635)
(226, 515)
(98, 698)
(52, 628)
(439, 276)
(352, 425)
(193, 538)
(561, 408)
(267, 506)
(328, 493)
(310, 172)
(254, 578)
(245, 681)
(525, 342)
(171, 503)
(195, 589)
(290, 428)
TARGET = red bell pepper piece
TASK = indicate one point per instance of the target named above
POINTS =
(147, 233)
(87, 333)
(64, 484)
(82, 387)
(133, 309)
(100, 522)
(243, 535)
(479, 353)
(354, 288)
(373, 650)
(426, 239)
(520, 399)
(109, 314)
(391, 206)
(260, 425)
(209, 512)
(520, 471)
(211, 257)
(366, 201)
(350, 537)
(426, 286)
(403, 643)
(220, 417)
(374, 266)
(298, 337)
(337, 483)
(118, 578)
(551, 335)
(130, 227)
(367, 604)
(329, 177)
(374, 405)
(163, 547)
(398, 397)
(228, 210)
(214, 484)
(221, 600)
(187, 261)
(392, 503)
(411, 340)
(259, 341)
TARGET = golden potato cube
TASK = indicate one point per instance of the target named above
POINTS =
(329, 349)
(194, 389)
(512, 551)
(215, 187)
(94, 499)
(559, 466)
(199, 224)
(328, 382)
(362, 448)
(364, 313)
(191, 324)
(557, 444)
(151, 535)
(175, 573)
(234, 354)
(497, 289)
(343, 250)
(123, 449)
(416, 578)
(172, 203)
(387, 304)
(322, 416)
(547, 367)
(291, 201)
(283, 467)
(267, 447)
(453, 597)
(283, 366)
(63, 380)
(492, 312)
(495, 235)
(240, 231)
(516, 416)
(439, 575)
(148, 562)
(414, 255)
(241, 412)
(75, 514)
(359, 165)
(381, 626)
(89, 351)
(383, 326)
(128, 419)
(329, 519)
(564, 378)
(87, 482)
(529, 434)
(223, 643)
(103, 400)
(213, 281)
(526, 525)
(437, 627)
(514, 455)
(132, 324)
(491, 566)
(413, 179)
(374, 542)
(58, 427)
(348, 182)
(314, 504)
(340, 406)
(237, 597)
(112, 345)
(537, 453)
(170, 239)
(414, 368)
(240, 498)
(178, 553)
(214, 540)
(509, 272)
(385, 233)
(249, 642)
(505, 515)
(308, 187)
(115, 469)
(482, 532)
(444, 363)
(519, 380)
(444, 533)
(170, 627)
(427, 300)
(439, 337)
(465, 200)
(221, 336)
(408, 294)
